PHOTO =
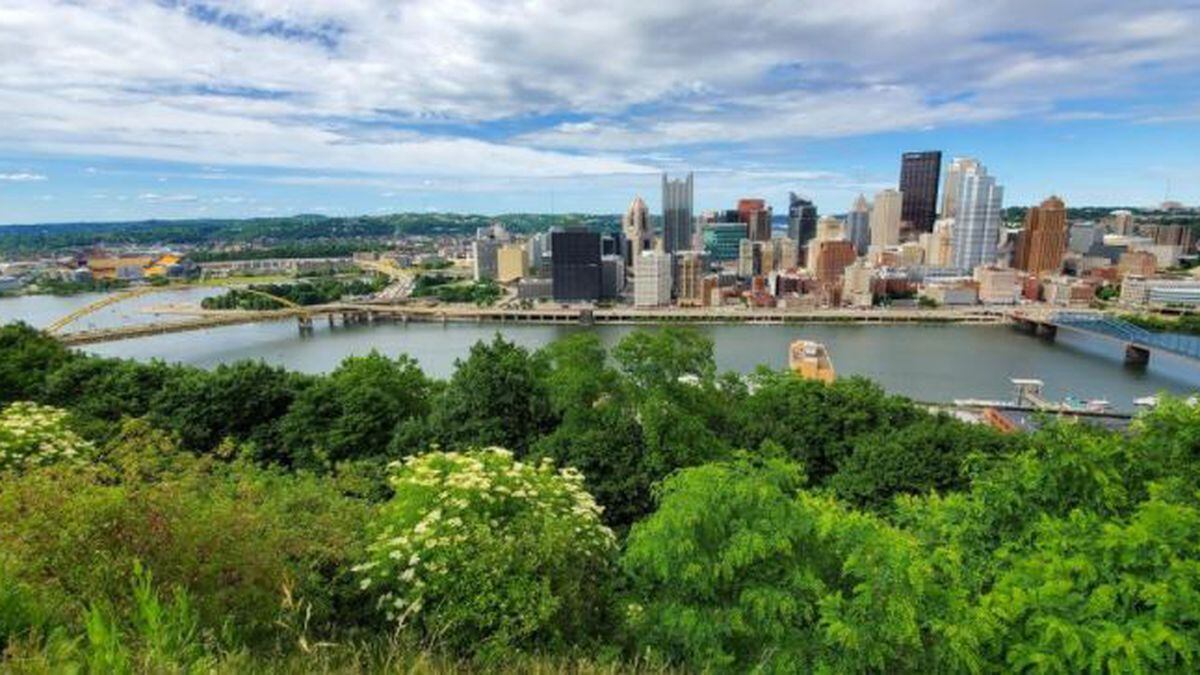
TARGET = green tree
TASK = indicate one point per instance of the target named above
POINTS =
(102, 391)
(354, 411)
(739, 569)
(497, 396)
(929, 454)
(243, 400)
(817, 424)
(1101, 596)
(665, 357)
(27, 358)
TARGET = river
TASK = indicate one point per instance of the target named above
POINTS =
(932, 363)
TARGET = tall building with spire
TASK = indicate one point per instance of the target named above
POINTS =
(954, 172)
(885, 218)
(858, 225)
(677, 214)
(1041, 245)
(919, 176)
(635, 225)
(976, 229)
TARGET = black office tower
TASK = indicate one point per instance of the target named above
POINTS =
(802, 219)
(576, 264)
(802, 223)
(919, 175)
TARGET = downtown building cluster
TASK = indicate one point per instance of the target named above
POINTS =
(939, 237)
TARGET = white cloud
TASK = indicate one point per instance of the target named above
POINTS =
(572, 86)
(22, 177)
(157, 198)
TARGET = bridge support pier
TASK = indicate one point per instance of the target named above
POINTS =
(1136, 356)
(1046, 331)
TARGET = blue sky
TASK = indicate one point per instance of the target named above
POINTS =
(178, 109)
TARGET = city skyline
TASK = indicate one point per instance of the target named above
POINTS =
(260, 108)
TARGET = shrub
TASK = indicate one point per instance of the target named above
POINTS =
(739, 569)
(232, 535)
(36, 435)
(484, 553)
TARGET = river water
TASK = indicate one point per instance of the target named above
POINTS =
(932, 363)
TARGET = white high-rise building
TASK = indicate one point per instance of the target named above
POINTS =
(885, 218)
(976, 229)
(652, 279)
(958, 166)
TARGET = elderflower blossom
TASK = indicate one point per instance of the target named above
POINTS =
(449, 506)
(35, 435)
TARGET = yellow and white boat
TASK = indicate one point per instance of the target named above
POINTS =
(811, 361)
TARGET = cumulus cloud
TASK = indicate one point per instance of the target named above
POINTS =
(565, 88)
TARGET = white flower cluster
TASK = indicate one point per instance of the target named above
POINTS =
(449, 504)
(36, 435)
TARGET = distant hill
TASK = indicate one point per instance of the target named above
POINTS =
(277, 231)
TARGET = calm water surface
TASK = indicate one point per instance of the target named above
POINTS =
(934, 363)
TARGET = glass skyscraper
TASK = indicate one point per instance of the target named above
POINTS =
(677, 214)
(976, 229)
(919, 176)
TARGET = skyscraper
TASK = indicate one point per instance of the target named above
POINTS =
(858, 225)
(757, 216)
(802, 219)
(1041, 245)
(635, 225)
(885, 218)
(954, 173)
(575, 262)
(976, 229)
(919, 176)
(677, 214)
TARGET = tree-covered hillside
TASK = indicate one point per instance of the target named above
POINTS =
(574, 508)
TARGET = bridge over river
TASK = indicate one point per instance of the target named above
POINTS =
(191, 318)
(1139, 343)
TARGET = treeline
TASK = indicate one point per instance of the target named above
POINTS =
(316, 291)
(453, 289)
(307, 232)
(574, 508)
(1188, 324)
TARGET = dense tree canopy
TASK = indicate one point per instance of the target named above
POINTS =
(209, 519)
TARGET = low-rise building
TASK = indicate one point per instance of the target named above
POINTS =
(998, 285)
(1140, 292)
(952, 292)
(857, 286)
(1137, 263)
(1063, 291)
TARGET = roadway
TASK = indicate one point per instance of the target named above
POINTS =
(364, 312)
